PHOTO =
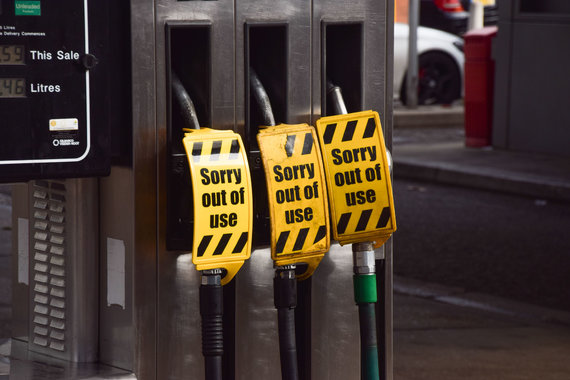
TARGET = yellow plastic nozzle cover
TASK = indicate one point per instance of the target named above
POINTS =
(358, 177)
(298, 205)
(223, 212)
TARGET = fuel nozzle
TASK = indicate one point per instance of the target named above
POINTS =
(285, 298)
(211, 311)
(285, 287)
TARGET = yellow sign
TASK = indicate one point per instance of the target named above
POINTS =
(297, 197)
(358, 177)
(223, 213)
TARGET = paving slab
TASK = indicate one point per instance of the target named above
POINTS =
(430, 146)
(429, 116)
(511, 172)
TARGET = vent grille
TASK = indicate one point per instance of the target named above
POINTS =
(48, 263)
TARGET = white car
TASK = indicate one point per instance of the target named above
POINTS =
(441, 59)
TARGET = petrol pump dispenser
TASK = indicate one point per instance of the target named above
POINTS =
(223, 217)
(362, 206)
(107, 270)
(222, 230)
(298, 210)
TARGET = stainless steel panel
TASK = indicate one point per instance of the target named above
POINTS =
(27, 365)
(388, 246)
(296, 15)
(335, 317)
(374, 17)
(116, 322)
(20, 262)
(143, 193)
(220, 15)
(179, 336)
(129, 214)
(63, 252)
(335, 326)
(257, 344)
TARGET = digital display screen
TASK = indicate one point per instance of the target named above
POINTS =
(12, 88)
(12, 55)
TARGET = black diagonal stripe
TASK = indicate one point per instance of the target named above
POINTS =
(222, 244)
(300, 242)
(197, 150)
(241, 243)
(329, 133)
(370, 127)
(234, 150)
(204, 245)
(290, 145)
(281, 241)
(308, 144)
(363, 221)
(349, 131)
(321, 233)
(343, 222)
(216, 149)
(384, 218)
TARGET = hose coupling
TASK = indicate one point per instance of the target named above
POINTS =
(364, 259)
(212, 277)
(285, 287)
(285, 271)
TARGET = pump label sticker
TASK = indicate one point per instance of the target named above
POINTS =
(70, 124)
(221, 185)
(296, 191)
(358, 177)
(28, 8)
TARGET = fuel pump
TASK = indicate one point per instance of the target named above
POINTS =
(362, 205)
(223, 218)
(298, 210)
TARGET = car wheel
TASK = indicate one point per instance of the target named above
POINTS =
(439, 80)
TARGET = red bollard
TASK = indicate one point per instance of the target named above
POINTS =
(479, 80)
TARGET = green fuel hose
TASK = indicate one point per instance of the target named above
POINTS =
(366, 296)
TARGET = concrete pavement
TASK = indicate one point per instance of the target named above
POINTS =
(441, 341)
(448, 333)
(437, 153)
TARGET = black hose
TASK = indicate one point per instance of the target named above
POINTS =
(185, 102)
(334, 94)
(213, 367)
(287, 344)
(262, 98)
(211, 311)
(285, 298)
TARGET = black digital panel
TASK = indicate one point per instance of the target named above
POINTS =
(54, 93)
